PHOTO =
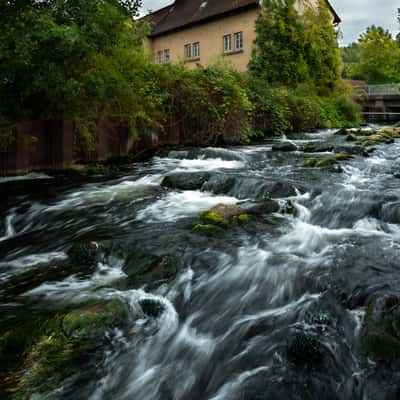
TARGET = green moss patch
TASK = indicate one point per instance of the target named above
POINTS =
(58, 347)
(343, 156)
(311, 162)
(326, 162)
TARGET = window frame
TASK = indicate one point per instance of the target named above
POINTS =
(160, 56)
(167, 56)
(188, 51)
(227, 39)
(238, 35)
(196, 50)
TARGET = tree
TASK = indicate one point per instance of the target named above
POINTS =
(379, 57)
(292, 49)
(77, 59)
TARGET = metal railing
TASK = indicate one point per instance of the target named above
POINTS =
(383, 90)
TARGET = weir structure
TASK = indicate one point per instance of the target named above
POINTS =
(380, 103)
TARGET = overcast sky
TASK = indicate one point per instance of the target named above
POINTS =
(356, 14)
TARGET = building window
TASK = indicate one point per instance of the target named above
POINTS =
(238, 40)
(167, 56)
(188, 51)
(159, 57)
(227, 43)
(196, 50)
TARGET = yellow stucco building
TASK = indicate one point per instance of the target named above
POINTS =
(199, 32)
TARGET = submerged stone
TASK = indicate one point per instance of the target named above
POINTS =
(262, 208)
(84, 253)
(352, 137)
(185, 180)
(149, 269)
(151, 307)
(342, 132)
(208, 230)
(303, 348)
(381, 330)
(391, 213)
(311, 162)
(284, 146)
(343, 156)
(317, 147)
(325, 162)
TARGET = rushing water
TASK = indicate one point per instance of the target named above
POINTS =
(234, 310)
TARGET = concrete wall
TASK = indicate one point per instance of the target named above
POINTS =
(42, 145)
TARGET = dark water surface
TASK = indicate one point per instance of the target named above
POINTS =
(242, 306)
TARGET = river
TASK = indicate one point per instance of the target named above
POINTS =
(240, 305)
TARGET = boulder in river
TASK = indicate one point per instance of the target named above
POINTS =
(390, 133)
(85, 253)
(381, 330)
(391, 213)
(356, 150)
(224, 216)
(343, 156)
(319, 147)
(342, 132)
(262, 208)
(322, 162)
(149, 269)
(284, 146)
(64, 344)
(209, 230)
(352, 137)
(185, 180)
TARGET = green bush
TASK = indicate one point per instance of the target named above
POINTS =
(295, 72)
(210, 105)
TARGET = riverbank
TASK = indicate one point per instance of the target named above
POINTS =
(290, 293)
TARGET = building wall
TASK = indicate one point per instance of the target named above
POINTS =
(210, 36)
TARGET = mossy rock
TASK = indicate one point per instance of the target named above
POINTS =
(96, 169)
(224, 216)
(390, 133)
(311, 162)
(342, 132)
(308, 148)
(66, 342)
(352, 137)
(381, 330)
(208, 230)
(343, 156)
(241, 219)
(326, 162)
(151, 269)
(211, 218)
(95, 320)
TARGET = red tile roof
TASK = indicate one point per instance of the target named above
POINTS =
(184, 13)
